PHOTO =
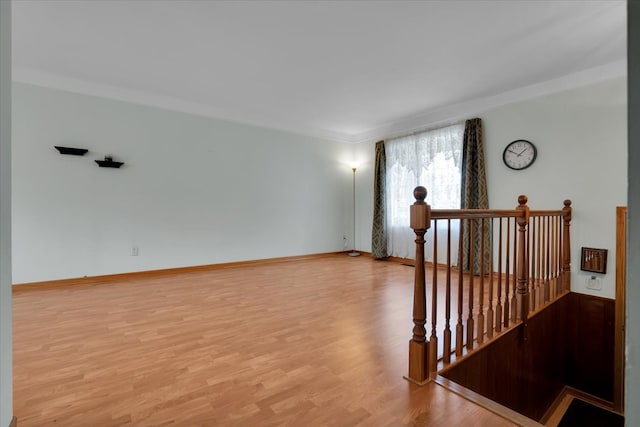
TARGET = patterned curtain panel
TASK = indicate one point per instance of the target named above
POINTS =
(474, 196)
(379, 231)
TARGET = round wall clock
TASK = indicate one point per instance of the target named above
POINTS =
(519, 154)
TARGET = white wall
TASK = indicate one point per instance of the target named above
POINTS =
(193, 190)
(581, 139)
(581, 136)
(6, 347)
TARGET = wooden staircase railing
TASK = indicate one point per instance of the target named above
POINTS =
(516, 262)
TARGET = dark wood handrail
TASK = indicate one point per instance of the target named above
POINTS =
(546, 213)
(488, 213)
(473, 213)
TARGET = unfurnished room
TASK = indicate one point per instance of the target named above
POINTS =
(319, 213)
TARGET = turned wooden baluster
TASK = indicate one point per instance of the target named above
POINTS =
(547, 280)
(470, 321)
(566, 247)
(459, 325)
(481, 290)
(433, 339)
(507, 277)
(514, 274)
(499, 304)
(539, 289)
(419, 346)
(559, 257)
(531, 262)
(555, 252)
(521, 261)
(490, 313)
(559, 262)
(446, 356)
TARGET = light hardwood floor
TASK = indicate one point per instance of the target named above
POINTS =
(321, 342)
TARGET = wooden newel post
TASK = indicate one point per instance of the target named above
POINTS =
(522, 288)
(566, 247)
(419, 346)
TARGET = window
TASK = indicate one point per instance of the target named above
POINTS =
(432, 159)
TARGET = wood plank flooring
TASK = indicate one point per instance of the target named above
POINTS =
(320, 342)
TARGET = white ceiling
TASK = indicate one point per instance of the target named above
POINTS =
(346, 70)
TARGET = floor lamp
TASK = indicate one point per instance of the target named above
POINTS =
(353, 251)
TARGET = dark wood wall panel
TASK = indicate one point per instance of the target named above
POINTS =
(591, 354)
(568, 343)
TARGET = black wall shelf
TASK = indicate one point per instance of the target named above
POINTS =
(71, 151)
(109, 163)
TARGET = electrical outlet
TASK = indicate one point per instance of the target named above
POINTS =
(593, 283)
(344, 241)
(134, 251)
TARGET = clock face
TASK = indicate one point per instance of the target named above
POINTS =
(519, 154)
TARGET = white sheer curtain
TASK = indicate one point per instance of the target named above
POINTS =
(432, 159)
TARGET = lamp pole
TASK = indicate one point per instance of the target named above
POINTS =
(353, 251)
